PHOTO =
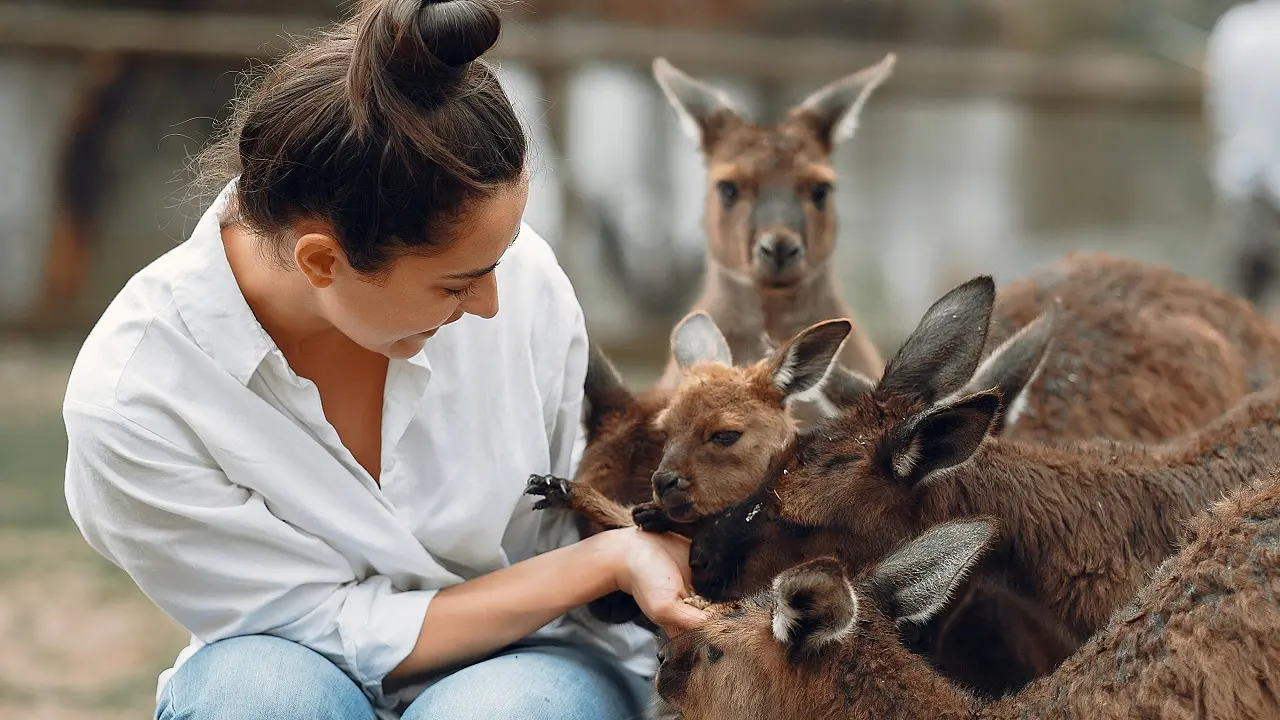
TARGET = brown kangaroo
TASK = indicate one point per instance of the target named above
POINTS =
(1086, 521)
(770, 211)
(1200, 640)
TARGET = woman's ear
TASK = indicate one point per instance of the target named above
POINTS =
(318, 256)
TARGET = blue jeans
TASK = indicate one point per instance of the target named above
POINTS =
(259, 677)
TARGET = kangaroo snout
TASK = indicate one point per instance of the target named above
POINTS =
(778, 253)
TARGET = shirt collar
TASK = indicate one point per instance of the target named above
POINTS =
(209, 299)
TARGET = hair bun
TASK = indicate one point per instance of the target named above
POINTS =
(418, 50)
(457, 32)
(421, 36)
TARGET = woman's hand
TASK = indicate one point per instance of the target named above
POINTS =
(654, 569)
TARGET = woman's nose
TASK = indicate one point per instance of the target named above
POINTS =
(484, 303)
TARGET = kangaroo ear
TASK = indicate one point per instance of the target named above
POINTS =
(834, 109)
(941, 437)
(813, 606)
(801, 364)
(603, 389)
(1012, 367)
(706, 112)
(697, 339)
(916, 582)
(941, 354)
(843, 386)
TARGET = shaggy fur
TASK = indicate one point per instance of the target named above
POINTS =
(1088, 518)
(1200, 641)
(1085, 525)
(1140, 352)
(1143, 352)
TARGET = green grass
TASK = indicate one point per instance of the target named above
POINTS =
(32, 458)
(81, 641)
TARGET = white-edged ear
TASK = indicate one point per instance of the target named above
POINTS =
(814, 605)
(696, 339)
(699, 105)
(915, 582)
(834, 109)
(801, 365)
(942, 436)
(942, 352)
(1015, 364)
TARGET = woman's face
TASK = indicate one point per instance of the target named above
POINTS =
(395, 314)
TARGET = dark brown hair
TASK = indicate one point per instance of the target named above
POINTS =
(385, 127)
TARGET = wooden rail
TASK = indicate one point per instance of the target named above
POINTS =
(1096, 77)
(553, 49)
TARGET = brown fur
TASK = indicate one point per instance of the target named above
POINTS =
(1200, 640)
(1086, 528)
(1140, 353)
(731, 402)
(788, 161)
(725, 421)
(1143, 352)
(949, 330)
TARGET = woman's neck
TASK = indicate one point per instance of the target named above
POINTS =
(282, 301)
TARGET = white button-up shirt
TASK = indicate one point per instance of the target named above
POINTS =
(204, 467)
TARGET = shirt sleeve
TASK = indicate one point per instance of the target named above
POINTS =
(212, 555)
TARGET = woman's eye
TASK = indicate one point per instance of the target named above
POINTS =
(463, 293)
(725, 438)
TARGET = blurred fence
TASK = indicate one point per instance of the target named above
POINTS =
(77, 122)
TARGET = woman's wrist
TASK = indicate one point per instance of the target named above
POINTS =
(613, 548)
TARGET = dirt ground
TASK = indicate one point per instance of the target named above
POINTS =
(80, 641)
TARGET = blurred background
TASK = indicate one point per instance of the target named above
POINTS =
(1011, 132)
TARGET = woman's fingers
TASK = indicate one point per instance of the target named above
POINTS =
(677, 617)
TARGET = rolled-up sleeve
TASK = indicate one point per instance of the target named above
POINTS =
(212, 555)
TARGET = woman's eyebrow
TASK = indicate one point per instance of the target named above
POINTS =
(472, 274)
(477, 274)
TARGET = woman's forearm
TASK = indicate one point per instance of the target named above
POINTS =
(480, 616)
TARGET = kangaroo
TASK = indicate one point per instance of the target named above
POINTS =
(1087, 520)
(770, 212)
(1200, 640)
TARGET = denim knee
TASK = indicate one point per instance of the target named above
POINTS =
(536, 683)
(256, 677)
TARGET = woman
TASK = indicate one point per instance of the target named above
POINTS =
(305, 431)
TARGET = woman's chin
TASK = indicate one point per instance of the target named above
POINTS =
(405, 348)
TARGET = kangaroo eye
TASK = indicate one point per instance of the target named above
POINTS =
(714, 653)
(728, 192)
(725, 438)
(819, 194)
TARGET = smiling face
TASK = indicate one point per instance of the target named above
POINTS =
(395, 312)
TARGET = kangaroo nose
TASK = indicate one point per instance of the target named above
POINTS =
(698, 560)
(666, 481)
(779, 251)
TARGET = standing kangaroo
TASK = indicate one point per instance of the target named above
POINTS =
(770, 220)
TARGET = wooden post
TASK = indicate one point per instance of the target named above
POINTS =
(108, 76)
(554, 81)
